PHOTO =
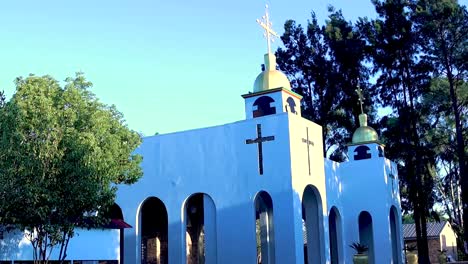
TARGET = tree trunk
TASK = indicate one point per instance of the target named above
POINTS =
(460, 151)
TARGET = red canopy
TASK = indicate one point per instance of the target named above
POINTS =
(117, 224)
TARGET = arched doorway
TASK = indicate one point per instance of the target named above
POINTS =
(312, 215)
(200, 229)
(395, 236)
(154, 232)
(264, 230)
(366, 234)
(334, 225)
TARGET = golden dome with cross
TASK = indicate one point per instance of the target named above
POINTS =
(270, 77)
(364, 133)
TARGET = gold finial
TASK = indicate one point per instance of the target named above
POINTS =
(265, 23)
(361, 98)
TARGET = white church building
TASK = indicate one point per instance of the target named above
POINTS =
(254, 191)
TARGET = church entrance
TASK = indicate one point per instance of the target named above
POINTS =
(154, 235)
(264, 228)
(200, 227)
(313, 224)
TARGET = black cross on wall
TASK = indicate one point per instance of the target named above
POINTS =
(259, 141)
(308, 143)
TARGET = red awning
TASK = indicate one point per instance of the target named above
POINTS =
(117, 224)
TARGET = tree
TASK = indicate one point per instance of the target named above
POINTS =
(325, 65)
(402, 78)
(63, 152)
(444, 25)
(2, 98)
(442, 136)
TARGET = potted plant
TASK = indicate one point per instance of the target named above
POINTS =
(360, 257)
(411, 256)
(442, 256)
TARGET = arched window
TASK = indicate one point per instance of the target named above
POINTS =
(154, 235)
(336, 245)
(366, 234)
(381, 151)
(395, 236)
(362, 152)
(313, 219)
(264, 106)
(292, 105)
(200, 229)
(264, 229)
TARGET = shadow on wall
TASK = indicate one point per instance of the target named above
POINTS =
(10, 243)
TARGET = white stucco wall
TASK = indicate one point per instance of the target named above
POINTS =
(218, 162)
(366, 186)
(450, 241)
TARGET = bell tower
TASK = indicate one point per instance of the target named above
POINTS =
(272, 90)
(365, 143)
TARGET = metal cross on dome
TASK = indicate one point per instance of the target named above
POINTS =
(361, 98)
(265, 23)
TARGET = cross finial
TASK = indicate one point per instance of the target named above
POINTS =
(265, 23)
(361, 98)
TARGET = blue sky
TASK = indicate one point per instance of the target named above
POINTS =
(167, 65)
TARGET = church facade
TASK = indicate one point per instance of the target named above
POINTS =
(254, 191)
(260, 191)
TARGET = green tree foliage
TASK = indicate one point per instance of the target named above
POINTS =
(442, 137)
(2, 98)
(325, 65)
(444, 27)
(402, 78)
(63, 153)
(411, 59)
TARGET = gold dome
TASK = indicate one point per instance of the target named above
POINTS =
(364, 133)
(271, 78)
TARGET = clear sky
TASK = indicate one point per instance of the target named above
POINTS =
(168, 65)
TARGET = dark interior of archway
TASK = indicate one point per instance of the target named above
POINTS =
(394, 236)
(154, 227)
(304, 235)
(366, 233)
(115, 212)
(333, 231)
(311, 203)
(264, 228)
(362, 152)
(264, 107)
(195, 229)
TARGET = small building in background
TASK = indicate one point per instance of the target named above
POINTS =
(440, 236)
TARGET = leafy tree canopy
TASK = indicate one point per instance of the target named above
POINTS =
(63, 152)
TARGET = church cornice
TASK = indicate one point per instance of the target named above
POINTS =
(366, 142)
(245, 96)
